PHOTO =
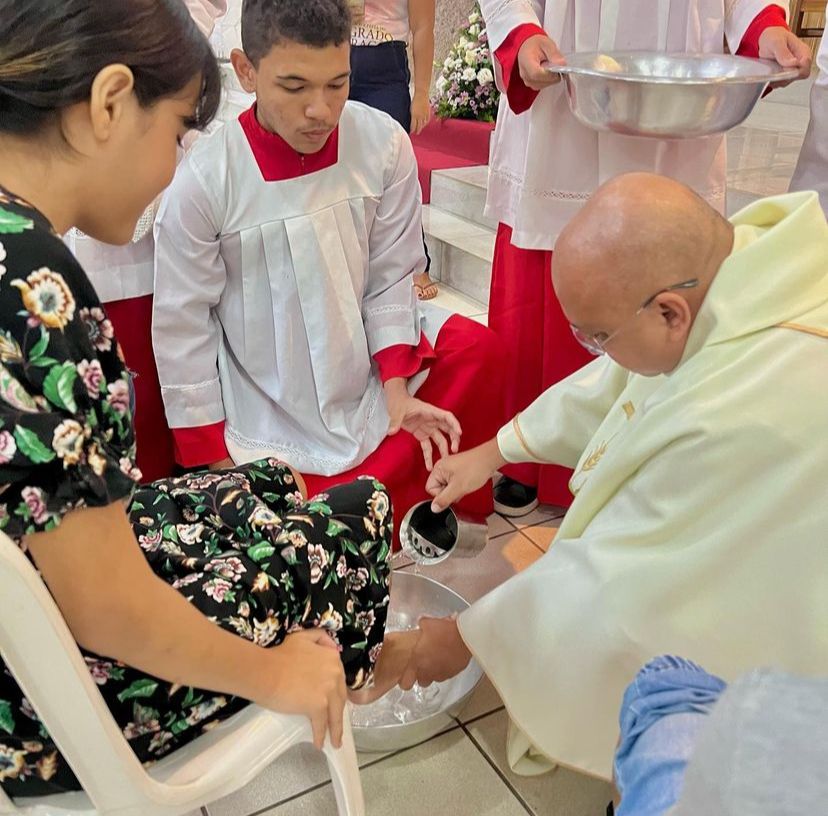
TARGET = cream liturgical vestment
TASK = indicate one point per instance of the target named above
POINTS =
(700, 522)
(544, 163)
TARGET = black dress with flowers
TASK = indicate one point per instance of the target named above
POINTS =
(241, 545)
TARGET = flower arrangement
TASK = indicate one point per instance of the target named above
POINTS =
(466, 88)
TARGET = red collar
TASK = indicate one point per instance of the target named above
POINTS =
(277, 160)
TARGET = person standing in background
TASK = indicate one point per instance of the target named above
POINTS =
(812, 169)
(380, 75)
(123, 279)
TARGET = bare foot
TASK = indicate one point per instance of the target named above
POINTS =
(425, 287)
(394, 657)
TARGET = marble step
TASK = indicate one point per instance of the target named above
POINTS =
(461, 191)
(461, 252)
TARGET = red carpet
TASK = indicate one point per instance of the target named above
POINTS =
(449, 143)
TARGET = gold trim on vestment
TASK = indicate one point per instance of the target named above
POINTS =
(804, 329)
(522, 439)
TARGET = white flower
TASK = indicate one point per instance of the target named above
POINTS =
(464, 43)
(471, 57)
(484, 76)
(2, 258)
(8, 447)
(67, 442)
(474, 17)
(474, 30)
(469, 75)
(441, 84)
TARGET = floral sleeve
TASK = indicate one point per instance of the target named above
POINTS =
(66, 438)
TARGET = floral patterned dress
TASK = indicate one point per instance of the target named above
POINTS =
(241, 545)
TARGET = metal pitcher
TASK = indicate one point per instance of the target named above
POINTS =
(429, 538)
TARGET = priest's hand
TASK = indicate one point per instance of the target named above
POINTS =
(427, 423)
(534, 57)
(783, 46)
(457, 476)
(439, 654)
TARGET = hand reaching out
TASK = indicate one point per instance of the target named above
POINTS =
(534, 55)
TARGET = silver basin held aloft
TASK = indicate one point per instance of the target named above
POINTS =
(665, 96)
(429, 538)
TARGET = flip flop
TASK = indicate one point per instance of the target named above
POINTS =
(426, 291)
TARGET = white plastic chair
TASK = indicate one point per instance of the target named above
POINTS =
(38, 648)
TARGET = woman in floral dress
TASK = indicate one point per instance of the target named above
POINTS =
(171, 590)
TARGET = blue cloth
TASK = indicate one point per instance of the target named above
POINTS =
(661, 714)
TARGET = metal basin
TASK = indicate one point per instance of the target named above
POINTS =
(665, 96)
(413, 595)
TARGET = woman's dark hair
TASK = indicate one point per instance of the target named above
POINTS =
(52, 50)
(318, 23)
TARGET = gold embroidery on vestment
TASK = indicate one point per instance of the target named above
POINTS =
(804, 329)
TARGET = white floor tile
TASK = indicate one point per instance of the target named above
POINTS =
(559, 793)
(540, 515)
(542, 535)
(445, 777)
(472, 578)
(484, 701)
(295, 772)
(499, 526)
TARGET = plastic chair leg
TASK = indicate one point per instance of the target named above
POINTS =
(344, 770)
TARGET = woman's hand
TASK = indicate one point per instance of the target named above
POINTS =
(420, 113)
(308, 679)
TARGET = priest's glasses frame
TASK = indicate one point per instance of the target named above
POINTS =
(597, 343)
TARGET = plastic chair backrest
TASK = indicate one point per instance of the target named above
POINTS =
(44, 659)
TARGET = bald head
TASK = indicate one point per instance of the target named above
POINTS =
(619, 262)
(638, 233)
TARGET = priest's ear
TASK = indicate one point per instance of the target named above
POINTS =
(245, 70)
(675, 312)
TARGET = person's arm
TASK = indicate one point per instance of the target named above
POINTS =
(758, 29)
(189, 281)
(390, 311)
(520, 47)
(421, 23)
(554, 429)
(116, 607)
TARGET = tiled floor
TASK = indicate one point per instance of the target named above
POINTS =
(463, 771)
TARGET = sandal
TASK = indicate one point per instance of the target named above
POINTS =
(427, 290)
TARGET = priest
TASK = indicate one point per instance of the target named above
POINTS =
(545, 165)
(285, 320)
(699, 441)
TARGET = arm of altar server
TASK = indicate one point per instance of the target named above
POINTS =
(745, 20)
(395, 254)
(557, 427)
(189, 280)
(206, 12)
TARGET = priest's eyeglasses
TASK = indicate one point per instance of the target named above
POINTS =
(597, 343)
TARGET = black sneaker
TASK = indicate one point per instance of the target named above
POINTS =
(514, 499)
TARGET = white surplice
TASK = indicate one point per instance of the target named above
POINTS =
(272, 297)
(124, 272)
(544, 163)
(812, 168)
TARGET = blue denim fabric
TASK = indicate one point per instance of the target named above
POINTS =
(661, 714)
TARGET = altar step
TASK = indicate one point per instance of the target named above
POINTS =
(460, 237)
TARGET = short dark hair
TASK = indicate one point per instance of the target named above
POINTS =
(52, 50)
(318, 23)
